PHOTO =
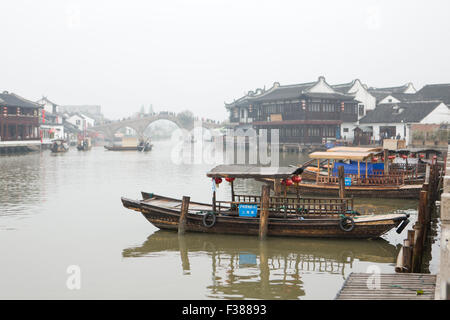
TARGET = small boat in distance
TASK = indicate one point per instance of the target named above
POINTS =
(131, 145)
(84, 144)
(144, 146)
(287, 216)
(59, 145)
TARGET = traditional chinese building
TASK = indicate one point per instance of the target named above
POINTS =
(19, 118)
(307, 113)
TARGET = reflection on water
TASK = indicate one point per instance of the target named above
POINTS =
(244, 267)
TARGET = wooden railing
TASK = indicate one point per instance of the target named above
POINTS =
(362, 180)
(285, 206)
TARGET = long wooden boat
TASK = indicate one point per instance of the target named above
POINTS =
(363, 179)
(295, 217)
(121, 148)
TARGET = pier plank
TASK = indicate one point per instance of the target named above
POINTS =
(395, 286)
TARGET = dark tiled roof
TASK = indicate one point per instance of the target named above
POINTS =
(405, 97)
(284, 92)
(344, 87)
(411, 112)
(13, 100)
(436, 91)
(399, 89)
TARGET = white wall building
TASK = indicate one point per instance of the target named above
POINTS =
(81, 121)
(392, 120)
(367, 103)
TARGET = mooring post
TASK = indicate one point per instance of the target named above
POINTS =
(183, 215)
(264, 212)
(341, 182)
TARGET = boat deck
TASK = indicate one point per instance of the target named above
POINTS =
(176, 204)
(392, 286)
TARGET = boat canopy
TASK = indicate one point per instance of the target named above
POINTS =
(355, 149)
(357, 156)
(248, 171)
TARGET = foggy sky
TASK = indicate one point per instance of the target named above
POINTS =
(197, 54)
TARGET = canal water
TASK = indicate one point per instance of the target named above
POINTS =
(61, 217)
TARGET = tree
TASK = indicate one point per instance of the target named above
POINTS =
(186, 117)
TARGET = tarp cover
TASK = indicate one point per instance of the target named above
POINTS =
(352, 168)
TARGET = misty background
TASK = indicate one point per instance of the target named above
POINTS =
(177, 55)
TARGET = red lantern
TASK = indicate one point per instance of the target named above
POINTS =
(374, 159)
(283, 181)
(422, 155)
(435, 157)
(391, 157)
(296, 179)
(382, 159)
(288, 182)
(218, 180)
(404, 156)
(229, 179)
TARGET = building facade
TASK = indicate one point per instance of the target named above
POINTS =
(307, 113)
(395, 120)
(19, 118)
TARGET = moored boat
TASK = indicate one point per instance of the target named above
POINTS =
(84, 144)
(59, 145)
(365, 175)
(295, 217)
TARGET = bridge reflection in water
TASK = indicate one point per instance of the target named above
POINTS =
(244, 267)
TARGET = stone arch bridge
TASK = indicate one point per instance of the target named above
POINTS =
(141, 123)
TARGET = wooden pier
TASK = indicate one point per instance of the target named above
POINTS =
(389, 286)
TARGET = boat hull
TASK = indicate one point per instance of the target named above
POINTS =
(328, 227)
(390, 192)
(121, 148)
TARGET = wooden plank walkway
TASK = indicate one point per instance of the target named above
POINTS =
(392, 286)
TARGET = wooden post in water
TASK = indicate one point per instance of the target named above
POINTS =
(407, 255)
(341, 182)
(214, 201)
(264, 212)
(183, 215)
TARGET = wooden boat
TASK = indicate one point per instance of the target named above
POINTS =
(295, 217)
(59, 145)
(121, 148)
(140, 147)
(413, 171)
(363, 178)
(84, 144)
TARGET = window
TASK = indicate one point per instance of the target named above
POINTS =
(328, 107)
(361, 110)
(313, 132)
(314, 107)
(345, 129)
(78, 122)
